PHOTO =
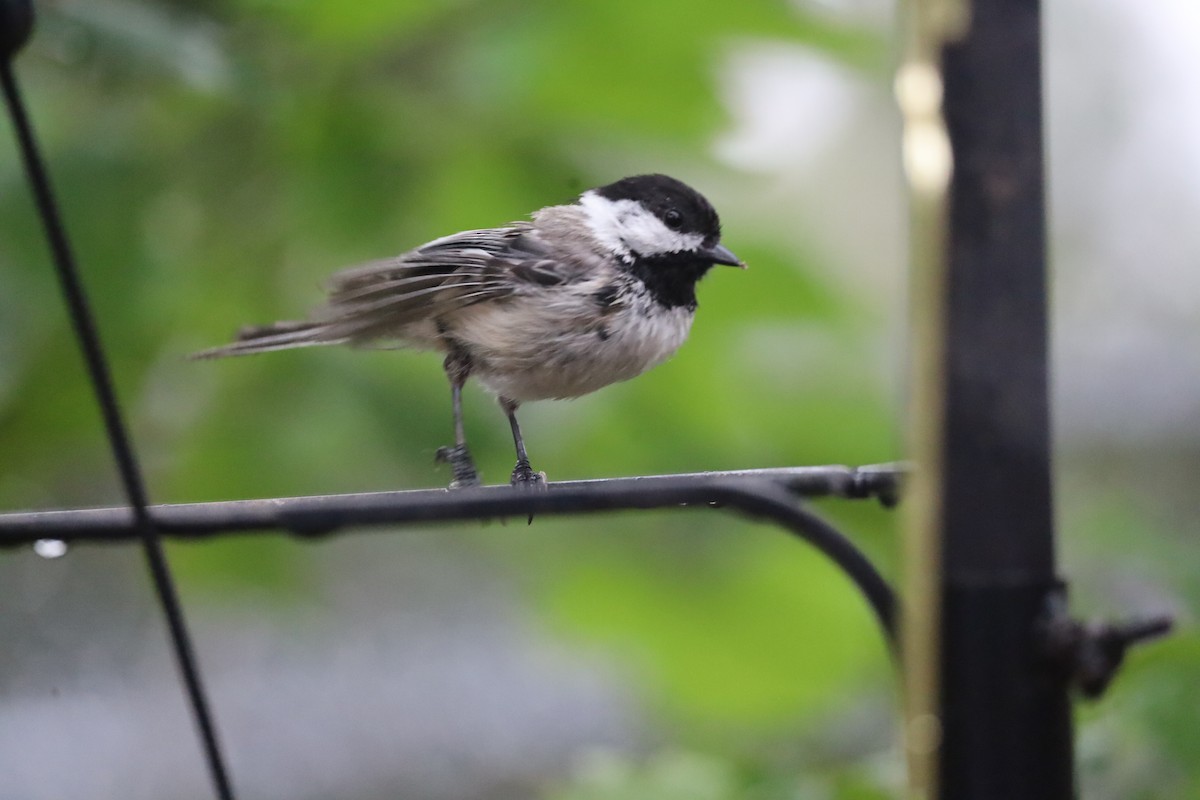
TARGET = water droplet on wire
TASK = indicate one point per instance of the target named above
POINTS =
(50, 548)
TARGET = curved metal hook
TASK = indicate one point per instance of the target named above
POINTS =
(762, 494)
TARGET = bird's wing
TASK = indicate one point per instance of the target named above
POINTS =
(379, 298)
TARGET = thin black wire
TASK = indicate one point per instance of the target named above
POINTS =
(131, 478)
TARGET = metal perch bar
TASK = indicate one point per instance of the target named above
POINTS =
(766, 493)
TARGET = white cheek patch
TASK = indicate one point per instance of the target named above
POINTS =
(626, 227)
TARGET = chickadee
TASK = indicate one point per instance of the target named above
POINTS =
(584, 295)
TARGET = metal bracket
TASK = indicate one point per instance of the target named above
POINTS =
(772, 494)
(1090, 654)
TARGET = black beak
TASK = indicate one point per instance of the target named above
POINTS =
(720, 254)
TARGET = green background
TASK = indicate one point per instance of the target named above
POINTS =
(216, 160)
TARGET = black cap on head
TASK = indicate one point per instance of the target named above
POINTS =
(678, 205)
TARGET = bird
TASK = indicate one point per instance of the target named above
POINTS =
(580, 296)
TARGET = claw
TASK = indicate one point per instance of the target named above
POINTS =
(461, 465)
(523, 477)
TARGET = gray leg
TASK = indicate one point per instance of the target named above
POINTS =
(522, 475)
(458, 368)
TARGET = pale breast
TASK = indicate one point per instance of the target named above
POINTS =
(565, 346)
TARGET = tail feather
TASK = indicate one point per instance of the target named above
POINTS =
(277, 336)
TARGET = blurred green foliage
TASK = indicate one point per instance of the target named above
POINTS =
(216, 159)
(689, 776)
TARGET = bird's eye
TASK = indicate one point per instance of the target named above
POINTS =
(673, 219)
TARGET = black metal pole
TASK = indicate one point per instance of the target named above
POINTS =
(1005, 709)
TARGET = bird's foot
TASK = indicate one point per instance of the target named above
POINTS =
(523, 477)
(461, 465)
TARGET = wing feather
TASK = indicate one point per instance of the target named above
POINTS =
(389, 298)
(380, 298)
(384, 296)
